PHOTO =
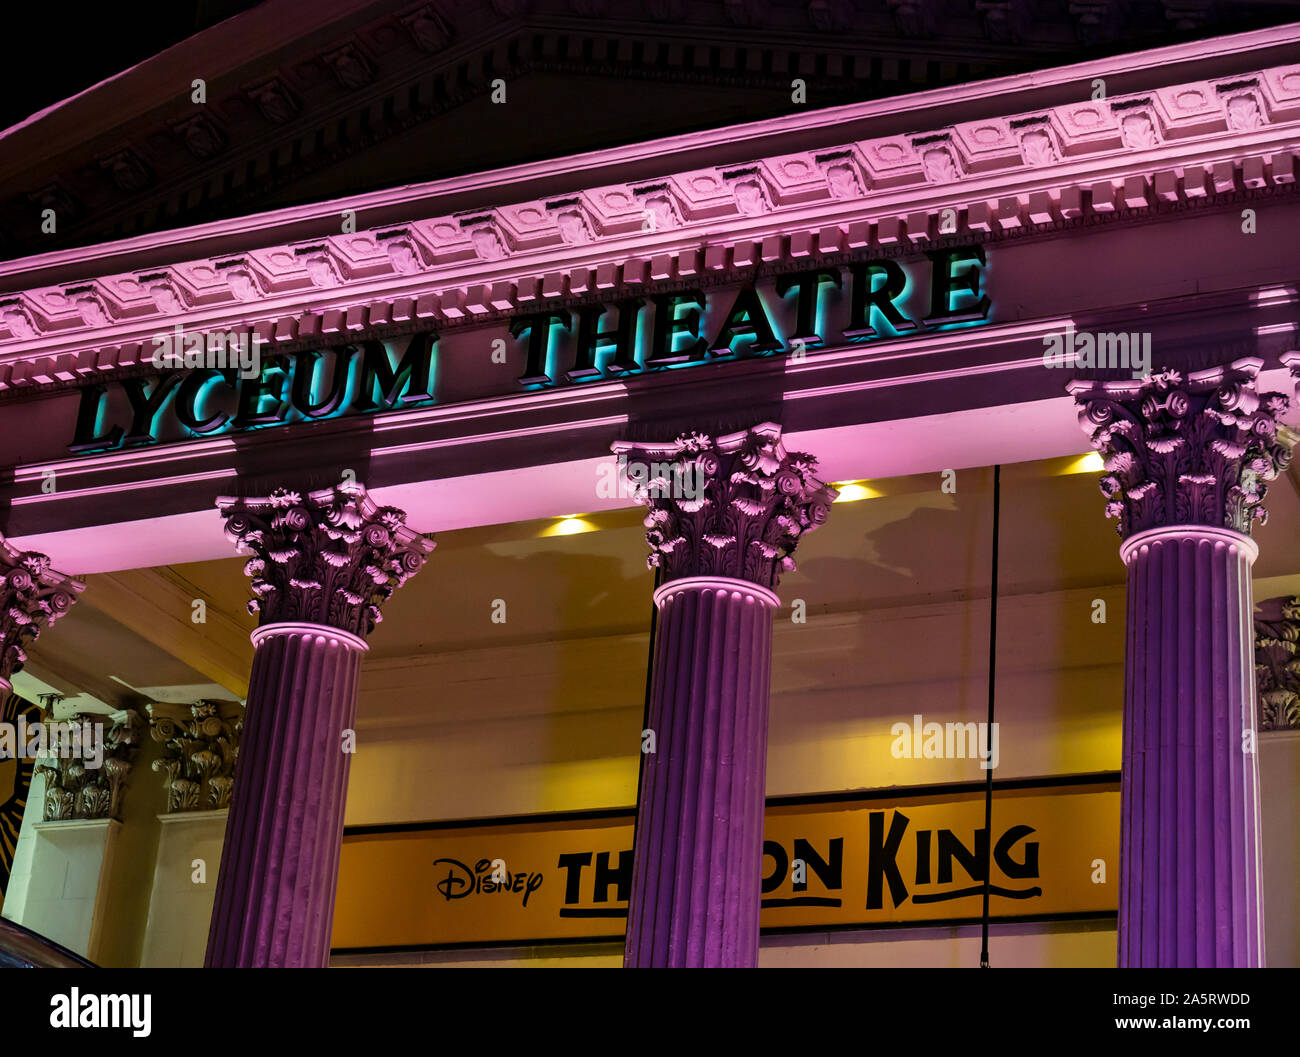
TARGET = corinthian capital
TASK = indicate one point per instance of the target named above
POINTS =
(32, 596)
(87, 762)
(731, 506)
(200, 746)
(330, 557)
(1194, 449)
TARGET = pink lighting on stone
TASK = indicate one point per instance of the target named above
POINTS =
(1189, 817)
(1188, 458)
(323, 564)
(699, 850)
(721, 547)
(1093, 213)
(279, 864)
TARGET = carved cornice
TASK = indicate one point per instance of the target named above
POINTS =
(1185, 450)
(402, 69)
(1277, 663)
(74, 790)
(200, 747)
(32, 596)
(1126, 157)
(731, 506)
(329, 557)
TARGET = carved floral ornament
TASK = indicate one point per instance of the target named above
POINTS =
(733, 506)
(330, 557)
(1193, 449)
(74, 790)
(32, 596)
(200, 746)
(1277, 663)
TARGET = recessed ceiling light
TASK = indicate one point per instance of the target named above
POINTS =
(852, 491)
(568, 525)
(1090, 463)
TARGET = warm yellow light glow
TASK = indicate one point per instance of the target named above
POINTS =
(852, 491)
(1090, 463)
(568, 525)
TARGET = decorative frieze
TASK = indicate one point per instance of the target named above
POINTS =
(330, 557)
(1194, 449)
(80, 784)
(960, 172)
(32, 596)
(200, 746)
(275, 102)
(201, 136)
(1277, 663)
(733, 506)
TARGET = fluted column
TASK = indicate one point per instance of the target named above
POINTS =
(725, 517)
(323, 565)
(1187, 458)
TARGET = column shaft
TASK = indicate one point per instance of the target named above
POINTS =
(279, 865)
(1190, 830)
(697, 872)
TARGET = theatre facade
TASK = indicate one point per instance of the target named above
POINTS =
(429, 565)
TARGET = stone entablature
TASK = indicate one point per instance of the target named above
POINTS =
(399, 69)
(1081, 162)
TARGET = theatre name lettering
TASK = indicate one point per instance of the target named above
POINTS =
(846, 863)
(205, 388)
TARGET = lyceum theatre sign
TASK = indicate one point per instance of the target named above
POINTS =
(194, 394)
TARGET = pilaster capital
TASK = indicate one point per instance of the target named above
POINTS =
(32, 596)
(1185, 449)
(1292, 360)
(86, 763)
(733, 506)
(200, 744)
(329, 557)
(1277, 663)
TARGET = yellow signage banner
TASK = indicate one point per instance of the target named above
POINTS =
(857, 861)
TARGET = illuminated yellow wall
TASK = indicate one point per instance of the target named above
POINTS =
(896, 595)
(895, 592)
